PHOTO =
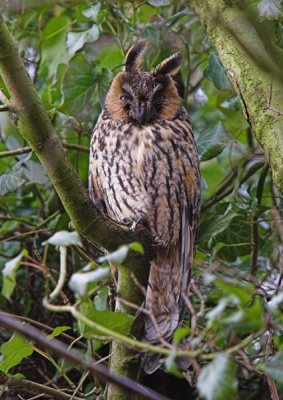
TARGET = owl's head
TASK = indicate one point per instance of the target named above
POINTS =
(144, 97)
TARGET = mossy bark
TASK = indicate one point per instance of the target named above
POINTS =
(36, 128)
(248, 58)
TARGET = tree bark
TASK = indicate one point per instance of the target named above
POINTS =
(247, 56)
(36, 128)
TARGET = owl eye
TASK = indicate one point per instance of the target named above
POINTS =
(125, 97)
(159, 97)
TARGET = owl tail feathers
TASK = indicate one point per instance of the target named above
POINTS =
(152, 363)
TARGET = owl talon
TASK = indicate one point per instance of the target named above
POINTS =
(134, 224)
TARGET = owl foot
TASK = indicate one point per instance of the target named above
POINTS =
(134, 224)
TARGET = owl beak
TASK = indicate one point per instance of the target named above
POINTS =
(143, 112)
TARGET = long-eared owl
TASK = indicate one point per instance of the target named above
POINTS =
(144, 166)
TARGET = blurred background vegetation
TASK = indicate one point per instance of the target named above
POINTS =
(72, 50)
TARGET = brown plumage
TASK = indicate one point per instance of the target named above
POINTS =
(144, 166)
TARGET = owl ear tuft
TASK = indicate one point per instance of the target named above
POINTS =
(169, 66)
(135, 57)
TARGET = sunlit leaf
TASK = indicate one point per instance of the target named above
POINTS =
(117, 321)
(78, 85)
(64, 238)
(79, 281)
(232, 103)
(56, 332)
(158, 3)
(92, 12)
(217, 380)
(9, 274)
(76, 40)
(9, 183)
(13, 352)
(54, 44)
(270, 9)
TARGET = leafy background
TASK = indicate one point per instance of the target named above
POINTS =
(72, 51)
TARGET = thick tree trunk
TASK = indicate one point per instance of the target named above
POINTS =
(237, 37)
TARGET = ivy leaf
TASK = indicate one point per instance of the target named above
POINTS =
(78, 85)
(56, 332)
(76, 40)
(212, 141)
(79, 282)
(64, 238)
(231, 103)
(274, 367)
(13, 352)
(116, 321)
(270, 9)
(92, 12)
(9, 183)
(54, 44)
(9, 274)
(34, 172)
(103, 83)
(237, 234)
(159, 3)
(215, 225)
(217, 380)
(118, 257)
(216, 73)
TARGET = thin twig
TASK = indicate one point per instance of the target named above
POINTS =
(35, 387)
(270, 381)
(255, 234)
(268, 107)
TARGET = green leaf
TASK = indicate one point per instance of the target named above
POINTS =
(78, 85)
(53, 50)
(34, 172)
(9, 274)
(92, 12)
(101, 299)
(217, 380)
(80, 282)
(8, 226)
(215, 225)
(238, 237)
(275, 302)
(212, 141)
(117, 321)
(103, 83)
(76, 40)
(13, 352)
(64, 238)
(118, 257)
(248, 320)
(57, 331)
(216, 73)
(10, 182)
(244, 292)
(159, 3)
(274, 367)
(231, 103)
(269, 9)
